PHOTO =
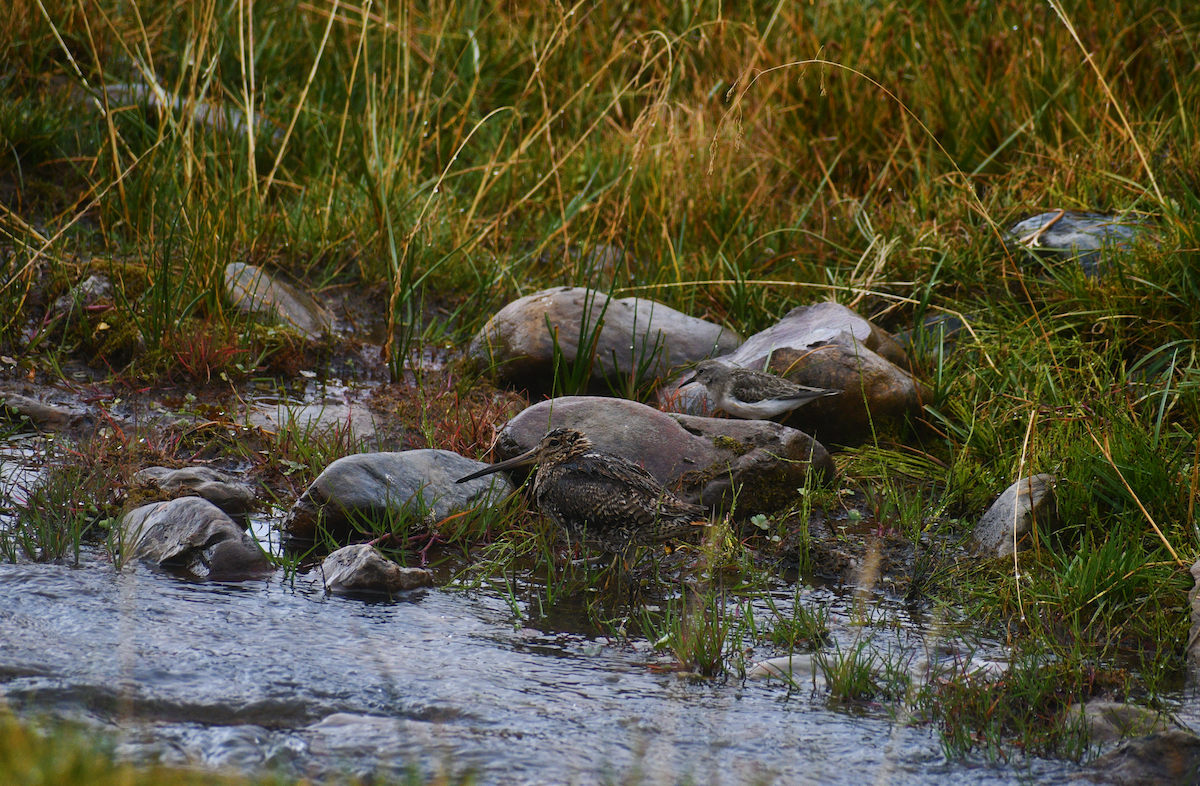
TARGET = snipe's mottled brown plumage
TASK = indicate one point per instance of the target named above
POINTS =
(600, 497)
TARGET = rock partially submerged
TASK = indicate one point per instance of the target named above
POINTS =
(798, 670)
(48, 416)
(252, 290)
(364, 488)
(337, 410)
(825, 346)
(1112, 721)
(195, 535)
(222, 490)
(361, 569)
(618, 337)
(1010, 519)
(706, 460)
(1169, 758)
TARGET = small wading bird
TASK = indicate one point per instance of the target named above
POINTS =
(599, 497)
(749, 394)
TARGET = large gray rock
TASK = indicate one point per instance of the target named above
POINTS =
(635, 336)
(193, 534)
(252, 290)
(1067, 234)
(706, 460)
(1025, 503)
(362, 569)
(1169, 758)
(369, 487)
(825, 345)
(236, 499)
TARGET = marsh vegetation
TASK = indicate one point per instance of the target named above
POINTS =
(418, 166)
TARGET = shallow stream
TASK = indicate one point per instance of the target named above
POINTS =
(275, 674)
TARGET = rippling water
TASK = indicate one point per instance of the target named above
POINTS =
(275, 675)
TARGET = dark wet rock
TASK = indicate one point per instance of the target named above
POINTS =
(48, 416)
(1112, 721)
(706, 460)
(825, 345)
(1169, 758)
(222, 490)
(1026, 502)
(357, 490)
(858, 557)
(251, 289)
(936, 333)
(362, 569)
(193, 534)
(1068, 234)
(93, 289)
(637, 336)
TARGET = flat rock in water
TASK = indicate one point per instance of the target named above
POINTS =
(1169, 758)
(362, 569)
(193, 534)
(371, 487)
(236, 499)
(1068, 234)
(706, 460)
(41, 414)
(336, 412)
(636, 336)
(251, 289)
(1028, 501)
(825, 345)
(799, 670)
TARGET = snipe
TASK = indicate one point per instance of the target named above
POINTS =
(600, 497)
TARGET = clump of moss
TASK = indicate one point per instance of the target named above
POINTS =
(734, 446)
